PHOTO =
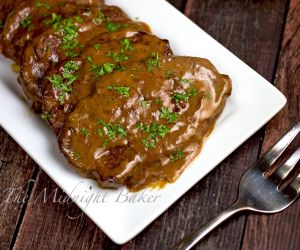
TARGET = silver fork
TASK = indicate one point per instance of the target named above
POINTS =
(257, 191)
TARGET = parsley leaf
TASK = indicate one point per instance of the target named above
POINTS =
(154, 130)
(63, 83)
(153, 61)
(97, 46)
(45, 116)
(124, 91)
(145, 103)
(177, 96)
(26, 22)
(54, 21)
(112, 27)
(78, 19)
(99, 19)
(169, 74)
(185, 80)
(117, 57)
(169, 116)
(126, 44)
(112, 131)
(44, 5)
(176, 155)
(85, 132)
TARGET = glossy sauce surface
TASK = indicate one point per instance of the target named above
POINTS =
(116, 54)
(147, 132)
(49, 48)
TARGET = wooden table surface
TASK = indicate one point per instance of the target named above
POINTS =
(263, 33)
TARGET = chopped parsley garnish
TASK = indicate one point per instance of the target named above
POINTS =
(54, 21)
(78, 19)
(153, 61)
(126, 44)
(26, 22)
(103, 69)
(124, 91)
(185, 80)
(177, 96)
(154, 130)
(70, 41)
(97, 46)
(176, 155)
(77, 155)
(117, 57)
(111, 131)
(45, 116)
(99, 132)
(69, 31)
(44, 5)
(99, 19)
(1, 24)
(145, 103)
(85, 132)
(63, 83)
(112, 27)
(169, 116)
(169, 74)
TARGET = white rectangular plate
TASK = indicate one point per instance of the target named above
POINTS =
(254, 101)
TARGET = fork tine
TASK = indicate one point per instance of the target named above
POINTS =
(270, 157)
(296, 184)
(288, 166)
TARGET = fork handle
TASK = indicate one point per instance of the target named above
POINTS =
(192, 239)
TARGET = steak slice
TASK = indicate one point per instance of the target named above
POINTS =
(27, 20)
(96, 61)
(6, 8)
(66, 39)
(143, 126)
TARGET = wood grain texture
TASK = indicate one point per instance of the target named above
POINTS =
(239, 25)
(281, 231)
(16, 168)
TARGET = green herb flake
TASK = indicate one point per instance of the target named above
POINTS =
(45, 116)
(112, 27)
(145, 103)
(78, 19)
(177, 96)
(155, 131)
(126, 44)
(117, 57)
(85, 132)
(43, 5)
(99, 19)
(97, 46)
(54, 21)
(169, 74)
(176, 155)
(111, 131)
(99, 132)
(185, 81)
(63, 83)
(77, 155)
(26, 22)
(169, 116)
(124, 91)
(101, 70)
(153, 61)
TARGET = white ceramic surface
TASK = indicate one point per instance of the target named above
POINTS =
(254, 101)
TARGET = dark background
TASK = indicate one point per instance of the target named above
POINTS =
(266, 35)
